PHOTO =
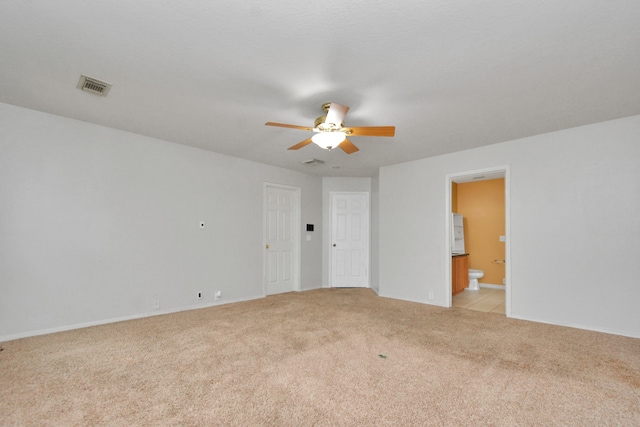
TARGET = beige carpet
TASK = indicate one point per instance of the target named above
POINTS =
(325, 357)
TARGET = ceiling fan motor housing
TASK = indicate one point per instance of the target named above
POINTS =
(320, 125)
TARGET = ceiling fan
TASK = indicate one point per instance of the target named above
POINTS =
(331, 132)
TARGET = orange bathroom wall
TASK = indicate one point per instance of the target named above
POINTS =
(482, 204)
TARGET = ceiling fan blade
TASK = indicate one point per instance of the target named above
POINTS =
(283, 125)
(300, 144)
(336, 114)
(348, 147)
(371, 131)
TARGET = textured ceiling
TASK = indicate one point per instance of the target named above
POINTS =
(450, 75)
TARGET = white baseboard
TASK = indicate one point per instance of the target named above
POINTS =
(489, 285)
(580, 326)
(28, 334)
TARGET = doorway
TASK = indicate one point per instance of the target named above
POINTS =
(281, 239)
(485, 290)
(349, 246)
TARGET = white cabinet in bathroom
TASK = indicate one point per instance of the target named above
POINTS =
(457, 234)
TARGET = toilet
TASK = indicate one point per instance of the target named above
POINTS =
(474, 275)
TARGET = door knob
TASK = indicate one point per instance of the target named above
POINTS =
(267, 246)
(334, 245)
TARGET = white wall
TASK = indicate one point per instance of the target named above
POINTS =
(375, 227)
(575, 225)
(96, 224)
(329, 185)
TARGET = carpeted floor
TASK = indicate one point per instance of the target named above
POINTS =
(339, 357)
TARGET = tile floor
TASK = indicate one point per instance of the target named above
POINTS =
(489, 300)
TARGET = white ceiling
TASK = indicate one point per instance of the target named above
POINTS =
(450, 75)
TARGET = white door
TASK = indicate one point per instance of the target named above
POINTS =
(281, 213)
(350, 240)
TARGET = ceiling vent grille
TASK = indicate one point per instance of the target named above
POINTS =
(313, 162)
(92, 85)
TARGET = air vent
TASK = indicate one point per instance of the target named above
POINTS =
(95, 86)
(313, 162)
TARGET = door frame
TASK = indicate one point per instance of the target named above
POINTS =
(330, 235)
(450, 179)
(296, 234)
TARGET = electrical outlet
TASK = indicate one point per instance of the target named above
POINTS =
(504, 281)
(199, 296)
(431, 296)
(218, 295)
(156, 304)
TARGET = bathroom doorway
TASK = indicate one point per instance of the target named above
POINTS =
(492, 295)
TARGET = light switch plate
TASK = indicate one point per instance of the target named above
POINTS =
(503, 238)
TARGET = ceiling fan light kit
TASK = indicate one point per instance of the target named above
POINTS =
(331, 132)
(328, 140)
